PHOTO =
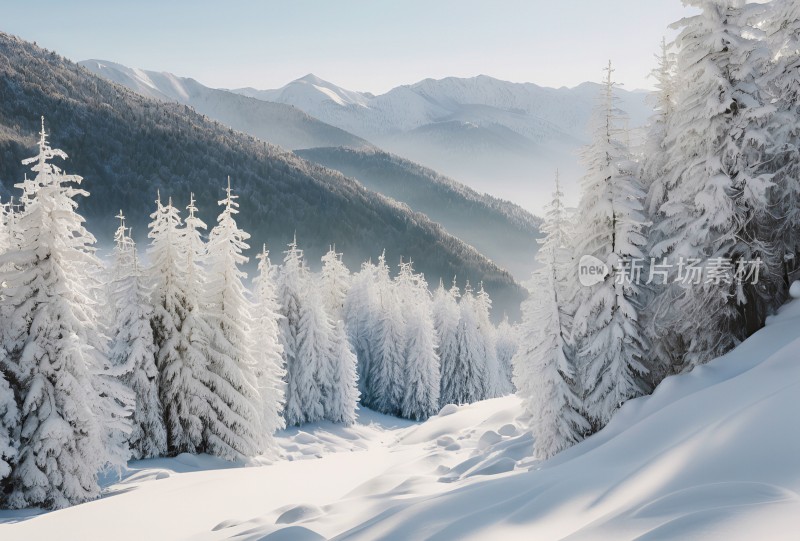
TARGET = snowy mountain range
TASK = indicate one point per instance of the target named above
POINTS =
(277, 123)
(506, 139)
(503, 138)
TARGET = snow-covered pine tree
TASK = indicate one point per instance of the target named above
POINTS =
(468, 381)
(335, 283)
(385, 385)
(653, 166)
(314, 371)
(606, 326)
(506, 345)
(493, 387)
(446, 317)
(544, 371)
(360, 310)
(234, 431)
(180, 332)
(301, 387)
(714, 193)
(9, 412)
(71, 413)
(342, 398)
(267, 349)
(421, 374)
(781, 84)
(9, 421)
(132, 351)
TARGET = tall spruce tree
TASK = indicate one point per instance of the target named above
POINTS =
(469, 378)
(71, 412)
(179, 330)
(132, 351)
(360, 314)
(421, 371)
(385, 385)
(267, 349)
(712, 197)
(506, 345)
(544, 368)
(292, 284)
(446, 316)
(234, 431)
(606, 325)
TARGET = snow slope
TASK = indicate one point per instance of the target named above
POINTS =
(714, 454)
(276, 123)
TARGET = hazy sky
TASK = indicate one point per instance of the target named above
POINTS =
(370, 45)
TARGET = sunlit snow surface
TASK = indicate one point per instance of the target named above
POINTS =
(714, 454)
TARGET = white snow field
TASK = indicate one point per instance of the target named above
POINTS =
(714, 454)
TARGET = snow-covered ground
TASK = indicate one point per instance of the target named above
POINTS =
(714, 454)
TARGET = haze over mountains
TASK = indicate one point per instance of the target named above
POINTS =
(499, 229)
(503, 138)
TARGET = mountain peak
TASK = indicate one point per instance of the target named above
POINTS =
(312, 79)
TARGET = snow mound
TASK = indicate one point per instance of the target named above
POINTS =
(712, 454)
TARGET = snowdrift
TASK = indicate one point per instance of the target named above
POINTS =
(714, 454)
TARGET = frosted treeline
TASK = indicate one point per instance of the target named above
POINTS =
(715, 185)
(104, 362)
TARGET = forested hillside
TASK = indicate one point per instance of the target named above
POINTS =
(501, 230)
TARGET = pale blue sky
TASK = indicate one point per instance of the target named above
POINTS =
(369, 45)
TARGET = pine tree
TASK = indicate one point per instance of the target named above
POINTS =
(132, 352)
(385, 385)
(486, 334)
(654, 162)
(342, 399)
(335, 283)
(544, 371)
(606, 326)
(506, 345)
(714, 194)
(234, 431)
(9, 421)
(314, 370)
(267, 349)
(180, 332)
(292, 282)
(360, 314)
(471, 373)
(421, 371)
(781, 86)
(446, 317)
(71, 414)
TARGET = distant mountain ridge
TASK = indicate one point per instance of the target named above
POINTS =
(127, 147)
(499, 137)
(503, 231)
(280, 124)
